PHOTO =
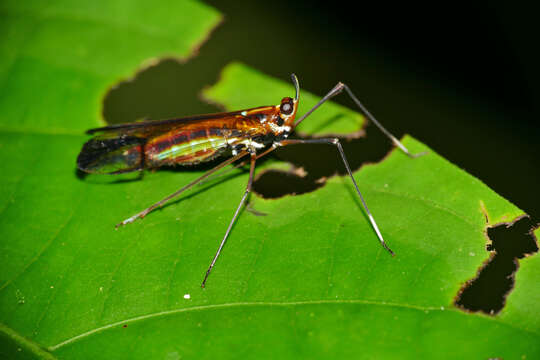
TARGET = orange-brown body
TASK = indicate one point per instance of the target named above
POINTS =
(185, 141)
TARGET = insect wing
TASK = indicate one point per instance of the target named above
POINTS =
(112, 153)
(123, 148)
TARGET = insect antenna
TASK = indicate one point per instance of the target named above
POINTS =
(296, 87)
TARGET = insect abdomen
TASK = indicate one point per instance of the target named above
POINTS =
(185, 148)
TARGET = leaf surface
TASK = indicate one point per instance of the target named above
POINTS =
(308, 280)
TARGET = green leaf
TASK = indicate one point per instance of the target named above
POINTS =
(60, 57)
(308, 280)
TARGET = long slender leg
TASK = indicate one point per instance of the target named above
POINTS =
(335, 141)
(244, 162)
(223, 173)
(242, 201)
(337, 90)
(188, 186)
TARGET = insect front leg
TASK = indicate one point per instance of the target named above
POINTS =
(336, 90)
(335, 141)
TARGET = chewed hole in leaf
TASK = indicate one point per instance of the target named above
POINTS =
(487, 292)
(314, 163)
(273, 184)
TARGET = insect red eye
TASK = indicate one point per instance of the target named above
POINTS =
(286, 108)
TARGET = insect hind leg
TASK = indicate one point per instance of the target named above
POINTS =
(160, 203)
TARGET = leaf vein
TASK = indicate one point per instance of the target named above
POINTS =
(28, 344)
(270, 304)
(43, 249)
(427, 201)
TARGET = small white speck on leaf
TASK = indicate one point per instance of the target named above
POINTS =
(19, 296)
(173, 356)
(187, 296)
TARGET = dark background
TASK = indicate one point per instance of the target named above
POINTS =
(463, 80)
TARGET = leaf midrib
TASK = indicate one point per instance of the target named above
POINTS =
(277, 304)
(31, 346)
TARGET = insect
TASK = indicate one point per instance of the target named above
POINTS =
(251, 133)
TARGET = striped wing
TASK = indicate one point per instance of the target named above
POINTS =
(129, 147)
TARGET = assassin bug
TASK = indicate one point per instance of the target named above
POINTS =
(187, 141)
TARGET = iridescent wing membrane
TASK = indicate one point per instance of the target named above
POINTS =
(186, 141)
